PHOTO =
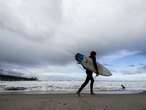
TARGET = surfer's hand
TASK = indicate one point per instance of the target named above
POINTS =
(97, 74)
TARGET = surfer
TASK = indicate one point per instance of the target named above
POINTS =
(89, 75)
(123, 87)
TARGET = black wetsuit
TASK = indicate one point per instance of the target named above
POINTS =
(89, 77)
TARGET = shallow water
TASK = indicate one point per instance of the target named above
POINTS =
(50, 87)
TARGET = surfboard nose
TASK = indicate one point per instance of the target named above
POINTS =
(79, 57)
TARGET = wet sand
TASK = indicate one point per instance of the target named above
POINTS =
(72, 102)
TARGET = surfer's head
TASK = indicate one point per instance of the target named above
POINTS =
(92, 53)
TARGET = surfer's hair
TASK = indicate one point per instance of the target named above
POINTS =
(92, 53)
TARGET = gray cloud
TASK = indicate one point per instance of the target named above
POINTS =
(136, 70)
(34, 20)
(52, 31)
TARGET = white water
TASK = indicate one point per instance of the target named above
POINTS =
(49, 87)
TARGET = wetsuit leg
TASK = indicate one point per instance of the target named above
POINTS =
(89, 74)
(84, 84)
(91, 85)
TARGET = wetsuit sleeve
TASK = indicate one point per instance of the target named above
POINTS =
(95, 64)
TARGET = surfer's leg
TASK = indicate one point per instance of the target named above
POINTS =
(91, 85)
(83, 85)
(90, 77)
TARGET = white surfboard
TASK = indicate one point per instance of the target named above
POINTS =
(87, 63)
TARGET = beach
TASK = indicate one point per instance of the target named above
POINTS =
(73, 102)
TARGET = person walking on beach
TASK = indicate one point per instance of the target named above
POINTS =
(89, 75)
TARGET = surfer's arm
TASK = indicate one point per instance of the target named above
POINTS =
(95, 65)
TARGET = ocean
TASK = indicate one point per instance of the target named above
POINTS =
(71, 86)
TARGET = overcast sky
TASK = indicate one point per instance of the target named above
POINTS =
(46, 34)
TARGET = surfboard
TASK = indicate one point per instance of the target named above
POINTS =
(87, 63)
